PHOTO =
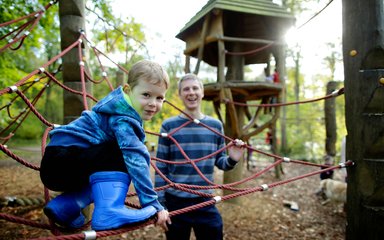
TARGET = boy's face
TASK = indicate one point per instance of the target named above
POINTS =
(191, 93)
(147, 99)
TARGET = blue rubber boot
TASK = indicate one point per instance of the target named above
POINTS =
(109, 191)
(65, 209)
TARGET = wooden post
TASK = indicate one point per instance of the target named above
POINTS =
(234, 116)
(279, 54)
(72, 20)
(330, 121)
(120, 78)
(202, 42)
(187, 67)
(363, 55)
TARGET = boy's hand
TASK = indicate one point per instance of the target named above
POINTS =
(162, 219)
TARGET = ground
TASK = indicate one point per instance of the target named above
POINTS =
(260, 215)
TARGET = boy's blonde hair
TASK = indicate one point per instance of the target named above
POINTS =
(146, 70)
(189, 76)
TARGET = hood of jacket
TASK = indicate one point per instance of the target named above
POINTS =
(117, 103)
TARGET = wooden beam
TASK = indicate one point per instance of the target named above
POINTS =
(202, 42)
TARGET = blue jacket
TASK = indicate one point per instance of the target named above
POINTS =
(114, 119)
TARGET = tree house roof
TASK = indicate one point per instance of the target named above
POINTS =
(253, 7)
(244, 26)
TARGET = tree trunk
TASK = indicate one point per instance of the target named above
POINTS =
(119, 78)
(297, 86)
(363, 55)
(235, 72)
(330, 121)
(72, 19)
(280, 56)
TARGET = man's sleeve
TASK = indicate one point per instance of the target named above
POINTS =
(223, 161)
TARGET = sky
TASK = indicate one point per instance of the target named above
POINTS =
(164, 19)
(313, 36)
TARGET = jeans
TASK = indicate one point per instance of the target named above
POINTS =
(206, 222)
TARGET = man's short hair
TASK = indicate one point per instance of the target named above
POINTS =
(189, 76)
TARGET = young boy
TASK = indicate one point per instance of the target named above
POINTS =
(95, 157)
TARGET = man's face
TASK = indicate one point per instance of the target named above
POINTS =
(191, 93)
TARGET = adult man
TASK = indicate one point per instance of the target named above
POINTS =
(196, 141)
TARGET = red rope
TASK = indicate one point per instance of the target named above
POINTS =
(42, 69)
(20, 220)
(334, 94)
(67, 88)
(24, 27)
(18, 159)
(100, 52)
(194, 189)
(82, 78)
(249, 52)
(46, 7)
(32, 108)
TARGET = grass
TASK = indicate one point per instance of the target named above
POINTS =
(18, 142)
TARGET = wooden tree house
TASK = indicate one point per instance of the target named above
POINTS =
(230, 34)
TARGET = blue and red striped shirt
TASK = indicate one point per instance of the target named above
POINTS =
(197, 142)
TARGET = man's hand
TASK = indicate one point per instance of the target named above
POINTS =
(236, 151)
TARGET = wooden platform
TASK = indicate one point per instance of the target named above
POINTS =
(246, 90)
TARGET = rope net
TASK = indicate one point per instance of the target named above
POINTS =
(41, 79)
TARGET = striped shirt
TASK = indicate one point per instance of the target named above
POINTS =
(197, 142)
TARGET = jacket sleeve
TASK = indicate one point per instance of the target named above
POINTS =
(163, 149)
(130, 135)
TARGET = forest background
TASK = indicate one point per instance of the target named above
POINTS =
(127, 37)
